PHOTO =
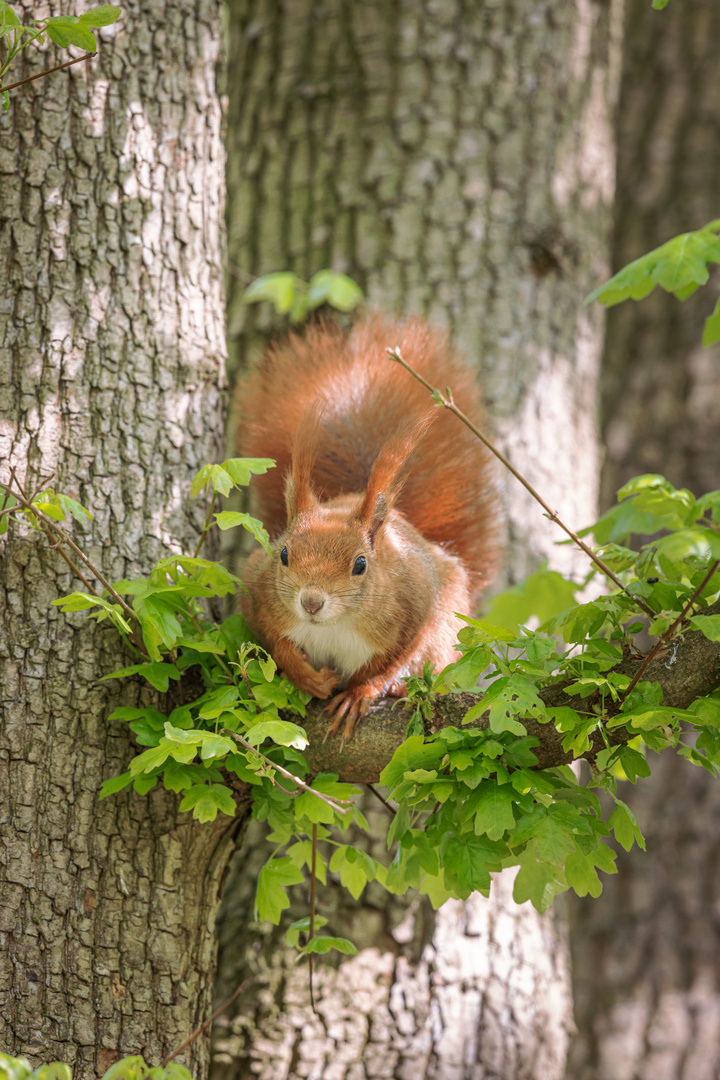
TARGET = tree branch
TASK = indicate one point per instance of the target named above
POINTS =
(689, 671)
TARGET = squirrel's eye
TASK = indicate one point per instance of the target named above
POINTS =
(360, 565)
(284, 557)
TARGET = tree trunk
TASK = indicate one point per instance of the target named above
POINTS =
(420, 149)
(646, 954)
(111, 371)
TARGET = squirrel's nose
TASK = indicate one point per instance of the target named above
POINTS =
(312, 602)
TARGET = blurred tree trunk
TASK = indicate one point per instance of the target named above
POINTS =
(111, 370)
(647, 953)
(419, 147)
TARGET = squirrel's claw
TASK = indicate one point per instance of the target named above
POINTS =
(350, 706)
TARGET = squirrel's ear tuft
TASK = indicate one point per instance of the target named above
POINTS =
(299, 494)
(299, 497)
(386, 476)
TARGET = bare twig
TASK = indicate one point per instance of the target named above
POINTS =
(203, 1027)
(65, 538)
(52, 530)
(48, 71)
(390, 809)
(311, 932)
(665, 638)
(340, 806)
(448, 403)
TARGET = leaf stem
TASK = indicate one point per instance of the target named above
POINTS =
(207, 525)
(448, 403)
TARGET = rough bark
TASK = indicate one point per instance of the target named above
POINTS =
(474, 991)
(111, 372)
(661, 389)
(646, 955)
(456, 159)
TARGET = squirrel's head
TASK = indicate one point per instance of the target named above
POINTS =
(329, 560)
(331, 557)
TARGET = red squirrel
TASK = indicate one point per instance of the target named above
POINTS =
(381, 511)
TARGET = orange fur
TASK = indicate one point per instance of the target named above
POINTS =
(375, 472)
(448, 493)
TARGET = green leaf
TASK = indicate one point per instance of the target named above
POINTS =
(271, 898)
(229, 519)
(157, 674)
(464, 673)
(66, 30)
(708, 625)
(493, 808)
(433, 886)
(711, 330)
(539, 882)
(215, 702)
(110, 787)
(213, 476)
(354, 867)
(8, 18)
(674, 266)
(625, 826)
(282, 732)
(316, 810)
(13, 1068)
(301, 926)
(128, 1068)
(413, 753)
(279, 288)
(553, 840)
(658, 5)
(698, 541)
(338, 290)
(633, 764)
(205, 800)
(323, 943)
(55, 1071)
(580, 870)
(544, 594)
(103, 15)
(241, 469)
(469, 861)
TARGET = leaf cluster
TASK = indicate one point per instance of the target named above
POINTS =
(292, 296)
(129, 1068)
(62, 30)
(680, 266)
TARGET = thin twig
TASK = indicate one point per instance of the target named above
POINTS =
(75, 569)
(48, 71)
(448, 403)
(383, 800)
(65, 538)
(311, 932)
(665, 638)
(203, 1027)
(340, 806)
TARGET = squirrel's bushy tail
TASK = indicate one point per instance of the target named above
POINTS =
(365, 399)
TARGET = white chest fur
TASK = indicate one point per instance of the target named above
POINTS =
(336, 645)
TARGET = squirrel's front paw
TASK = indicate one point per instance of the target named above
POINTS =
(318, 683)
(350, 706)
